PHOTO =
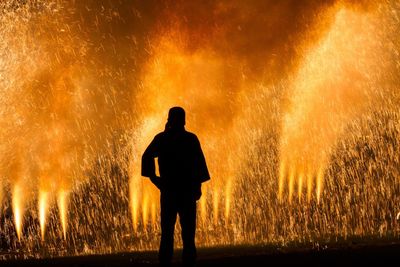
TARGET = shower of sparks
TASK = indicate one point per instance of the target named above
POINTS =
(18, 210)
(228, 192)
(62, 206)
(43, 206)
(330, 89)
(215, 207)
(145, 210)
(289, 119)
(203, 208)
(134, 209)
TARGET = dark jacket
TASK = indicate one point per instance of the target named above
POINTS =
(181, 162)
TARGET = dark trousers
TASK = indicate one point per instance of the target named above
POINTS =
(171, 205)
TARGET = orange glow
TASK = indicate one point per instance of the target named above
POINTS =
(18, 209)
(145, 210)
(62, 206)
(178, 73)
(134, 208)
(144, 196)
(300, 185)
(203, 205)
(319, 185)
(228, 192)
(216, 206)
(309, 186)
(296, 108)
(291, 184)
(153, 214)
(323, 102)
(281, 180)
(43, 207)
(1, 193)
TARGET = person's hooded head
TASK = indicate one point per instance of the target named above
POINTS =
(176, 119)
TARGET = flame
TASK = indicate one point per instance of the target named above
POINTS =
(203, 205)
(153, 214)
(134, 207)
(43, 207)
(142, 191)
(291, 184)
(309, 186)
(1, 194)
(18, 209)
(300, 185)
(320, 180)
(63, 205)
(325, 99)
(281, 182)
(271, 107)
(228, 192)
(145, 210)
(180, 74)
(215, 206)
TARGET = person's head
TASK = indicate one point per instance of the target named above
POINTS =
(176, 118)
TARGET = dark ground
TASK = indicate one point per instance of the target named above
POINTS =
(354, 255)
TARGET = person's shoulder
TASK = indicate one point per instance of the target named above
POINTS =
(159, 136)
(191, 136)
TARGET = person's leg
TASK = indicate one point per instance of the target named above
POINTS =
(187, 215)
(168, 219)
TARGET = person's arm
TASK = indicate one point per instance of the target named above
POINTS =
(202, 170)
(148, 162)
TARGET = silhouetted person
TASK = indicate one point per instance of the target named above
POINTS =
(182, 168)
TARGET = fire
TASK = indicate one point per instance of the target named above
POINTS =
(143, 194)
(291, 184)
(62, 206)
(18, 209)
(145, 210)
(281, 182)
(153, 214)
(134, 207)
(300, 186)
(320, 180)
(292, 104)
(203, 205)
(327, 92)
(309, 186)
(43, 207)
(215, 202)
(228, 192)
(1, 192)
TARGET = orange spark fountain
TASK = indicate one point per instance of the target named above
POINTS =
(62, 205)
(43, 207)
(292, 103)
(330, 89)
(18, 209)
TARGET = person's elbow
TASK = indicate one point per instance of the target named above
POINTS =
(205, 179)
(146, 165)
